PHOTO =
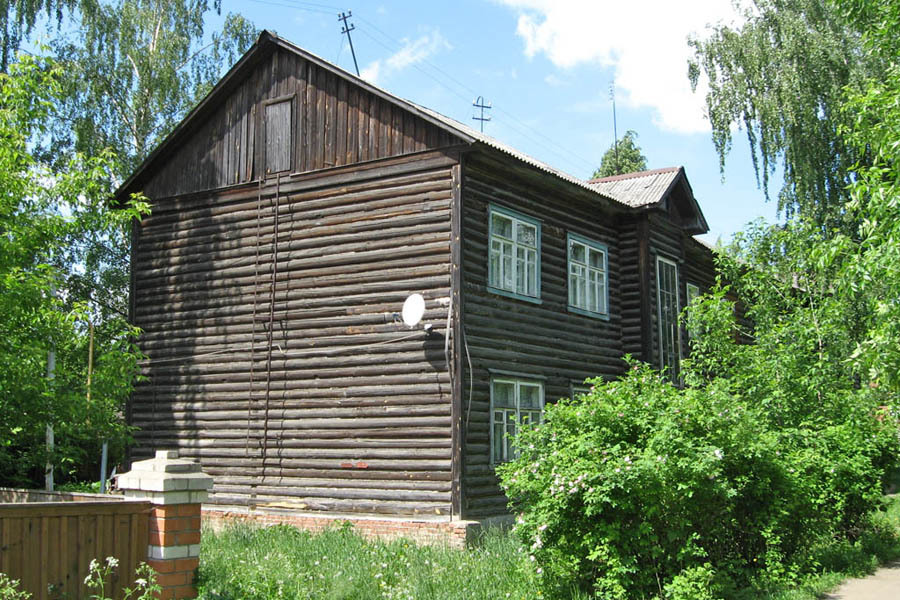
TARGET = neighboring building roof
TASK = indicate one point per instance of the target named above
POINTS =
(638, 189)
(652, 189)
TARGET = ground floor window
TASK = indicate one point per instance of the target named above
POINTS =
(513, 402)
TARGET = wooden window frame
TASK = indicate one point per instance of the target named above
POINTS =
(676, 325)
(517, 218)
(589, 245)
(507, 452)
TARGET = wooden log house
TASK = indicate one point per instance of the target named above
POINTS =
(296, 208)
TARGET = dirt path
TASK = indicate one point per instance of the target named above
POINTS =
(884, 584)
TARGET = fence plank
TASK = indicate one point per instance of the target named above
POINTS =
(53, 543)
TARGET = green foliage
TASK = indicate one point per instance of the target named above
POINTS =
(642, 489)
(245, 561)
(624, 157)
(781, 76)
(18, 18)
(45, 215)
(135, 68)
(9, 589)
(100, 576)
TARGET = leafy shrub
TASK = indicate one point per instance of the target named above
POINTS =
(642, 489)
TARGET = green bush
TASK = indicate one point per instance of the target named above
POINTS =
(642, 489)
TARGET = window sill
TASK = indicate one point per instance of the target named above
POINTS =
(508, 294)
(587, 313)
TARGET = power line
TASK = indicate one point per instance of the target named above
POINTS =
(524, 130)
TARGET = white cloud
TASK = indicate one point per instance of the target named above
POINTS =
(644, 41)
(412, 52)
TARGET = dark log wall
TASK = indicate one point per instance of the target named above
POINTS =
(545, 341)
(274, 357)
(630, 288)
(665, 239)
(695, 265)
(334, 123)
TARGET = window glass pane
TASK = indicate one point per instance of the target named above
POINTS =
(596, 259)
(507, 269)
(668, 317)
(573, 282)
(526, 234)
(494, 275)
(501, 225)
(529, 396)
(531, 416)
(497, 441)
(504, 394)
(531, 270)
(510, 434)
(577, 252)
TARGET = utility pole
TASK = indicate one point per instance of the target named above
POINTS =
(612, 96)
(479, 103)
(343, 17)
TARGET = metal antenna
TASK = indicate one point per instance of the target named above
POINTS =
(343, 17)
(612, 96)
(479, 103)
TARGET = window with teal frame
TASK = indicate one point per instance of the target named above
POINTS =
(514, 254)
(588, 277)
(514, 402)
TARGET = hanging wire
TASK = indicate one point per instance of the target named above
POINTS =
(543, 142)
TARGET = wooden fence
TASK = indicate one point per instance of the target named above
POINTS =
(48, 546)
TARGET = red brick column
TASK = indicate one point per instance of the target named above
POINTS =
(177, 488)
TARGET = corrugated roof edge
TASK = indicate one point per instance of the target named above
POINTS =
(633, 175)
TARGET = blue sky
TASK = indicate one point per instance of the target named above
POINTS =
(546, 66)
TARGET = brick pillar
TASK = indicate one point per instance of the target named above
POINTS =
(176, 487)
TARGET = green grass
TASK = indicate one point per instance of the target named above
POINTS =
(250, 562)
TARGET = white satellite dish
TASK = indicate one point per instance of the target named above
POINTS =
(413, 310)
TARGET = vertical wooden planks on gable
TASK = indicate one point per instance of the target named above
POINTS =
(340, 129)
(300, 116)
(321, 82)
(330, 119)
(352, 154)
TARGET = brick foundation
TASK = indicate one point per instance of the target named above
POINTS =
(456, 534)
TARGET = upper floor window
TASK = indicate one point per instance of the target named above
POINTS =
(588, 289)
(514, 264)
(667, 313)
(514, 402)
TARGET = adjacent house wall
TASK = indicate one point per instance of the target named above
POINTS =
(545, 341)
